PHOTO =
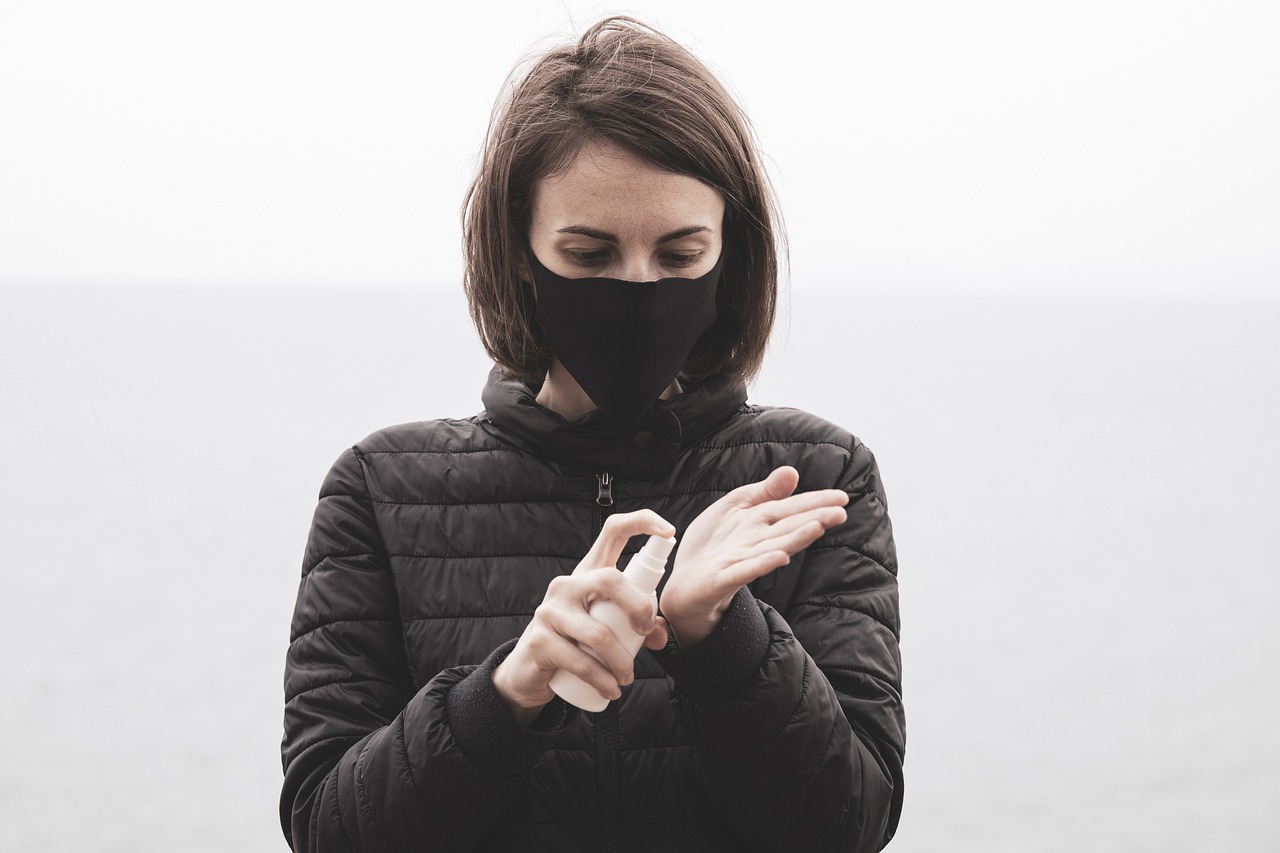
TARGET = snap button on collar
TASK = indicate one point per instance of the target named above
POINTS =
(643, 439)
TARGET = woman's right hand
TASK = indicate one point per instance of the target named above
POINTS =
(561, 622)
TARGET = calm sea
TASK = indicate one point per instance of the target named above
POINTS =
(1084, 495)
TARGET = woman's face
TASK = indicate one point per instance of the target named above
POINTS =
(611, 214)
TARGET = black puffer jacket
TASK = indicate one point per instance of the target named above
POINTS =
(431, 547)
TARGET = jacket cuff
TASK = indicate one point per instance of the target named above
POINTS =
(485, 730)
(726, 658)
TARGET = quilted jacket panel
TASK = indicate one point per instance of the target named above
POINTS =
(431, 546)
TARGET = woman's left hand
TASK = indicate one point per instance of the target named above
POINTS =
(745, 535)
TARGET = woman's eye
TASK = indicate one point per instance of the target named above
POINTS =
(601, 257)
(682, 259)
(591, 258)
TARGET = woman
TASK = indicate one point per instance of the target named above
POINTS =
(621, 272)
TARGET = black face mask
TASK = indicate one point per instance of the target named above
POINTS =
(624, 341)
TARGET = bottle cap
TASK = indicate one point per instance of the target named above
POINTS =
(648, 566)
(659, 548)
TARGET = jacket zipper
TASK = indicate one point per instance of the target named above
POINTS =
(604, 496)
(606, 729)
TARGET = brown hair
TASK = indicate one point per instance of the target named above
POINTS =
(629, 84)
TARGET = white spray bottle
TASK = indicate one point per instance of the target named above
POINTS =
(645, 570)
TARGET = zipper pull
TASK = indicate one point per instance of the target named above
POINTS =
(604, 496)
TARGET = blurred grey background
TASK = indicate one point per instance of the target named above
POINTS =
(1034, 266)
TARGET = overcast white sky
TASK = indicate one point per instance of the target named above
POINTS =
(1036, 147)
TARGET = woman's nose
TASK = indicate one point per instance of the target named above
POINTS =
(637, 268)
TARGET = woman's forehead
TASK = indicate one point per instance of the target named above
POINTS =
(610, 188)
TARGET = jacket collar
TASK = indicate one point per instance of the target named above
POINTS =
(646, 451)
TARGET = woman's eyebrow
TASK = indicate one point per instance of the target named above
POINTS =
(597, 234)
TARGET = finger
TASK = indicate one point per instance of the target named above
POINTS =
(620, 527)
(613, 585)
(561, 653)
(586, 586)
(744, 572)
(803, 502)
(796, 540)
(780, 483)
(827, 516)
(598, 638)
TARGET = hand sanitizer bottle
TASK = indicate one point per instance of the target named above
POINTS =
(645, 570)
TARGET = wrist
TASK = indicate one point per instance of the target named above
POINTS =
(727, 658)
(524, 715)
(688, 631)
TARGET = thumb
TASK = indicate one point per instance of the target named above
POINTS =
(780, 483)
(657, 638)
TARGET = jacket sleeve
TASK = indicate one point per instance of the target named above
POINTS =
(798, 721)
(370, 765)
